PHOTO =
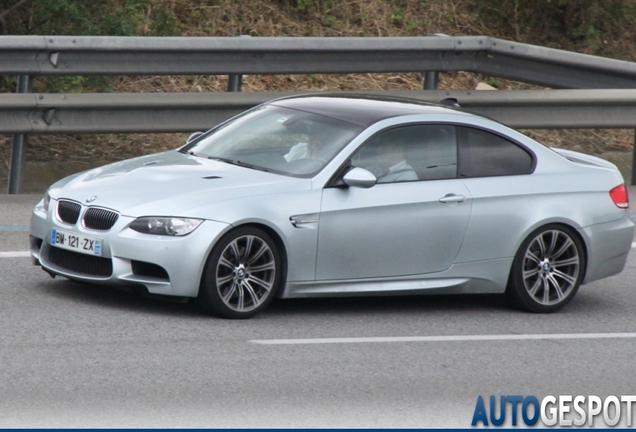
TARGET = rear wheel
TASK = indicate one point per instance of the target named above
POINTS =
(242, 274)
(547, 270)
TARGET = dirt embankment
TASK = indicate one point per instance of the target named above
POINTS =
(580, 25)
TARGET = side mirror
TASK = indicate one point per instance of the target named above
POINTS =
(359, 177)
(193, 136)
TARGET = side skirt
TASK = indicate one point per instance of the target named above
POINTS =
(463, 278)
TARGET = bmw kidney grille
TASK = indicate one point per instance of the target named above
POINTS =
(94, 218)
(68, 211)
(99, 219)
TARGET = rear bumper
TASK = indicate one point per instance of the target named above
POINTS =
(608, 245)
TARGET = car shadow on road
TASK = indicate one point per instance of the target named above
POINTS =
(390, 304)
(133, 299)
(125, 298)
(590, 303)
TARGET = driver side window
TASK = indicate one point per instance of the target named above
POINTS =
(409, 153)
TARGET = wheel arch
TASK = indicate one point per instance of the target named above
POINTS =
(573, 228)
(272, 233)
(282, 250)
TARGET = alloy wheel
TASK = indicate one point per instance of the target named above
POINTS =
(245, 273)
(551, 267)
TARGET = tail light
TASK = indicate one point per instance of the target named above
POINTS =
(620, 196)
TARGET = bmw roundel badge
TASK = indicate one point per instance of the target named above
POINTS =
(90, 199)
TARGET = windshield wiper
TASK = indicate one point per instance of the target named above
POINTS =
(237, 163)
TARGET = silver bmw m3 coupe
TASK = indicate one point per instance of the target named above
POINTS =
(341, 196)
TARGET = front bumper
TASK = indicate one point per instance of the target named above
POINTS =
(165, 265)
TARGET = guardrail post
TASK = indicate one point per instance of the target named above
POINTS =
(234, 83)
(431, 80)
(19, 147)
(634, 161)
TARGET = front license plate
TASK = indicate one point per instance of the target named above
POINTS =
(77, 243)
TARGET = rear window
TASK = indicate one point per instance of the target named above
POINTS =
(484, 154)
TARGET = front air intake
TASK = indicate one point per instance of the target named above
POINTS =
(141, 268)
(88, 265)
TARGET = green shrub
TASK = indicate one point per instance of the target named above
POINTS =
(582, 23)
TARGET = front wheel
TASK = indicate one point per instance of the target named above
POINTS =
(547, 270)
(242, 274)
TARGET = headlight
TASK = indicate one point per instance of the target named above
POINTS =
(158, 225)
(46, 201)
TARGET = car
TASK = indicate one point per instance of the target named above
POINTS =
(341, 195)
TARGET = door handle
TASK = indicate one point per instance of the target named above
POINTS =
(452, 198)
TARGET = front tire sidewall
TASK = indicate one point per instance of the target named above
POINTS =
(209, 297)
(516, 291)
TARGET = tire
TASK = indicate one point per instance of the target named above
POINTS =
(242, 274)
(547, 270)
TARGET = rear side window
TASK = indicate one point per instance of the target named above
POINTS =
(484, 154)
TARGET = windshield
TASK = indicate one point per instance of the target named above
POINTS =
(277, 139)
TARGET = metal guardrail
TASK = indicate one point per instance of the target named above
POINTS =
(26, 113)
(188, 112)
(102, 55)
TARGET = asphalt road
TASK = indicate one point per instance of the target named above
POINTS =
(74, 355)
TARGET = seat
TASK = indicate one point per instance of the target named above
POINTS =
(433, 157)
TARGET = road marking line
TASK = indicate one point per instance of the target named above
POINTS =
(633, 245)
(14, 227)
(450, 338)
(19, 254)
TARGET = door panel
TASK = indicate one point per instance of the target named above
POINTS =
(393, 229)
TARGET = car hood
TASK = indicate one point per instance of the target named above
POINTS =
(170, 183)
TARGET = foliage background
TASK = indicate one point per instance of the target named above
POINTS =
(598, 27)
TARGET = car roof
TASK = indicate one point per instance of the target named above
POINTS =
(360, 109)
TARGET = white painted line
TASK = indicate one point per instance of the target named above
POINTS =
(14, 227)
(19, 254)
(450, 338)
(633, 245)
